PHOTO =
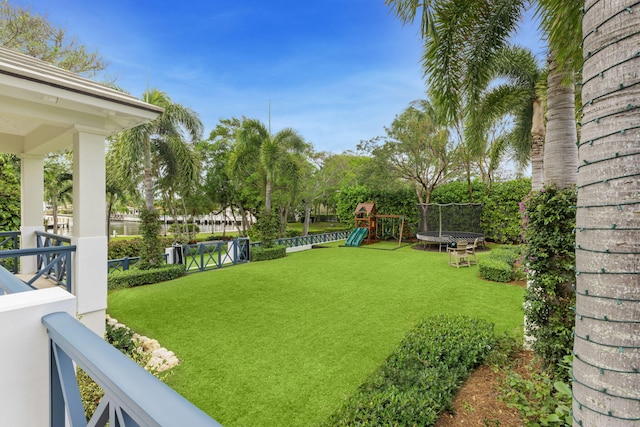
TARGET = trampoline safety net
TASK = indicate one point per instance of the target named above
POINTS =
(452, 217)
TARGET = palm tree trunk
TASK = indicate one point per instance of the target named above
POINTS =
(54, 213)
(307, 218)
(606, 344)
(148, 189)
(267, 197)
(560, 150)
(537, 146)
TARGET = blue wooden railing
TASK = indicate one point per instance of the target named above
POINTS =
(55, 265)
(133, 397)
(312, 239)
(122, 264)
(210, 255)
(10, 240)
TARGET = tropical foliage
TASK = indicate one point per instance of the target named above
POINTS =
(549, 217)
(9, 193)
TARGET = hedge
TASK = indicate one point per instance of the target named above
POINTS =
(495, 270)
(419, 380)
(499, 265)
(265, 254)
(135, 277)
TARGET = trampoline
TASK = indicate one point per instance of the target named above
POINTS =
(444, 224)
(444, 238)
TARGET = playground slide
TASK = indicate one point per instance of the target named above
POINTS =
(357, 236)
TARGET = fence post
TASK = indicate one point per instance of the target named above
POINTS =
(201, 250)
(125, 263)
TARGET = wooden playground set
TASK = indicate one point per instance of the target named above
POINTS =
(370, 227)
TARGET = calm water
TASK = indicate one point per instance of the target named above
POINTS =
(132, 228)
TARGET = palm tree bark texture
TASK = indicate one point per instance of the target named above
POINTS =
(606, 365)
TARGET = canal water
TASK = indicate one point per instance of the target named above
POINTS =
(132, 228)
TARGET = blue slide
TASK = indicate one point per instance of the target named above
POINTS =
(357, 236)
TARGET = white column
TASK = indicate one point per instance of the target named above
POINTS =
(89, 216)
(31, 206)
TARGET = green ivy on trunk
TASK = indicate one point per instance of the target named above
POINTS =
(549, 218)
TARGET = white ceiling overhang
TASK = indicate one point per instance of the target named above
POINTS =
(42, 105)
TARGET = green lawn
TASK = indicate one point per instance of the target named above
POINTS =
(283, 342)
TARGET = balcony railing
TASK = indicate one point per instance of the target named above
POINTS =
(133, 397)
(210, 255)
(10, 240)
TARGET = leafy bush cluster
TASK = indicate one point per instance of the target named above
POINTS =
(137, 277)
(419, 379)
(266, 229)
(9, 192)
(550, 219)
(265, 254)
(540, 399)
(501, 220)
(499, 266)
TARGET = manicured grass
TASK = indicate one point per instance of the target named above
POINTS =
(284, 342)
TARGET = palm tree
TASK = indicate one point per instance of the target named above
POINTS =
(273, 155)
(519, 97)
(607, 327)
(159, 146)
(461, 39)
(159, 149)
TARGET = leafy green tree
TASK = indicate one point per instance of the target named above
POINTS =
(9, 193)
(160, 151)
(223, 188)
(33, 34)
(417, 148)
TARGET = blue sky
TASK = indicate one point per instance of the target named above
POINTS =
(337, 71)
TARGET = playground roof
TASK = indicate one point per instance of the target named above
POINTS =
(366, 208)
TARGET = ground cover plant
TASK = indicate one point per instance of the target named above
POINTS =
(286, 342)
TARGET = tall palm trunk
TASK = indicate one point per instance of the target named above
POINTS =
(148, 189)
(267, 197)
(537, 146)
(560, 150)
(607, 333)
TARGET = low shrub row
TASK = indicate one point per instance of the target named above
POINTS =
(499, 265)
(419, 380)
(265, 254)
(135, 277)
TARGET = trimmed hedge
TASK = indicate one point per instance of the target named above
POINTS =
(495, 270)
(265, 254)
(419, 380)
(498, 266)
(135, 277)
